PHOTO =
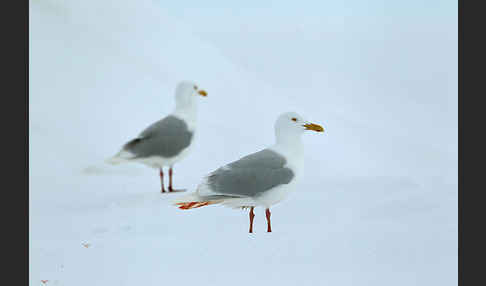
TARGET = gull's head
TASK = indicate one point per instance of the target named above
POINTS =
(187, 93)
(291, 124)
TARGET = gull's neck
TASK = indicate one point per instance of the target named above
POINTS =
(290, 145)
(187, 112)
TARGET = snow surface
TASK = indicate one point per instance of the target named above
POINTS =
(378, 201)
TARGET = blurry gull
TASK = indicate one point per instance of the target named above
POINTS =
(261, 179)
(168, 140)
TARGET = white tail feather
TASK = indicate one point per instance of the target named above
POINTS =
(114, 160)
(121, 157)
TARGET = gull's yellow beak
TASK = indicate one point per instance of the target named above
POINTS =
(315, 127)
(203, 92)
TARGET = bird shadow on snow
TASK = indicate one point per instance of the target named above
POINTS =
(128, 202)
(144, 199)
(101, 170)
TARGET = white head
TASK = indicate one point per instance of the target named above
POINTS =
(186, 94)
(290, 126)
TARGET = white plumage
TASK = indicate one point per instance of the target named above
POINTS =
(261, 179)
(168, 140)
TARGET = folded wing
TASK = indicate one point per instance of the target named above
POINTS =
(250, 176)
(166, 138)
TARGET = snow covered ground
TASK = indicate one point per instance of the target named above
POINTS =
(378, 203)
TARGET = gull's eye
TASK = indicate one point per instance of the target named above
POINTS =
(294, 119)
(195, 87)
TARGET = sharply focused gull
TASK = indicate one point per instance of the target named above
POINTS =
(168, 140)
(261, 179)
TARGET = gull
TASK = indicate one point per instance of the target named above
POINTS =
(168, 140)
(261, 179)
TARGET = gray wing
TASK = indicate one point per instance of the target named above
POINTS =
(251, 175)
(166, 137)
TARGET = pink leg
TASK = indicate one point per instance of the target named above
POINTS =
(252, 215)
(161, 173)
(269, 226)
(170, 180)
